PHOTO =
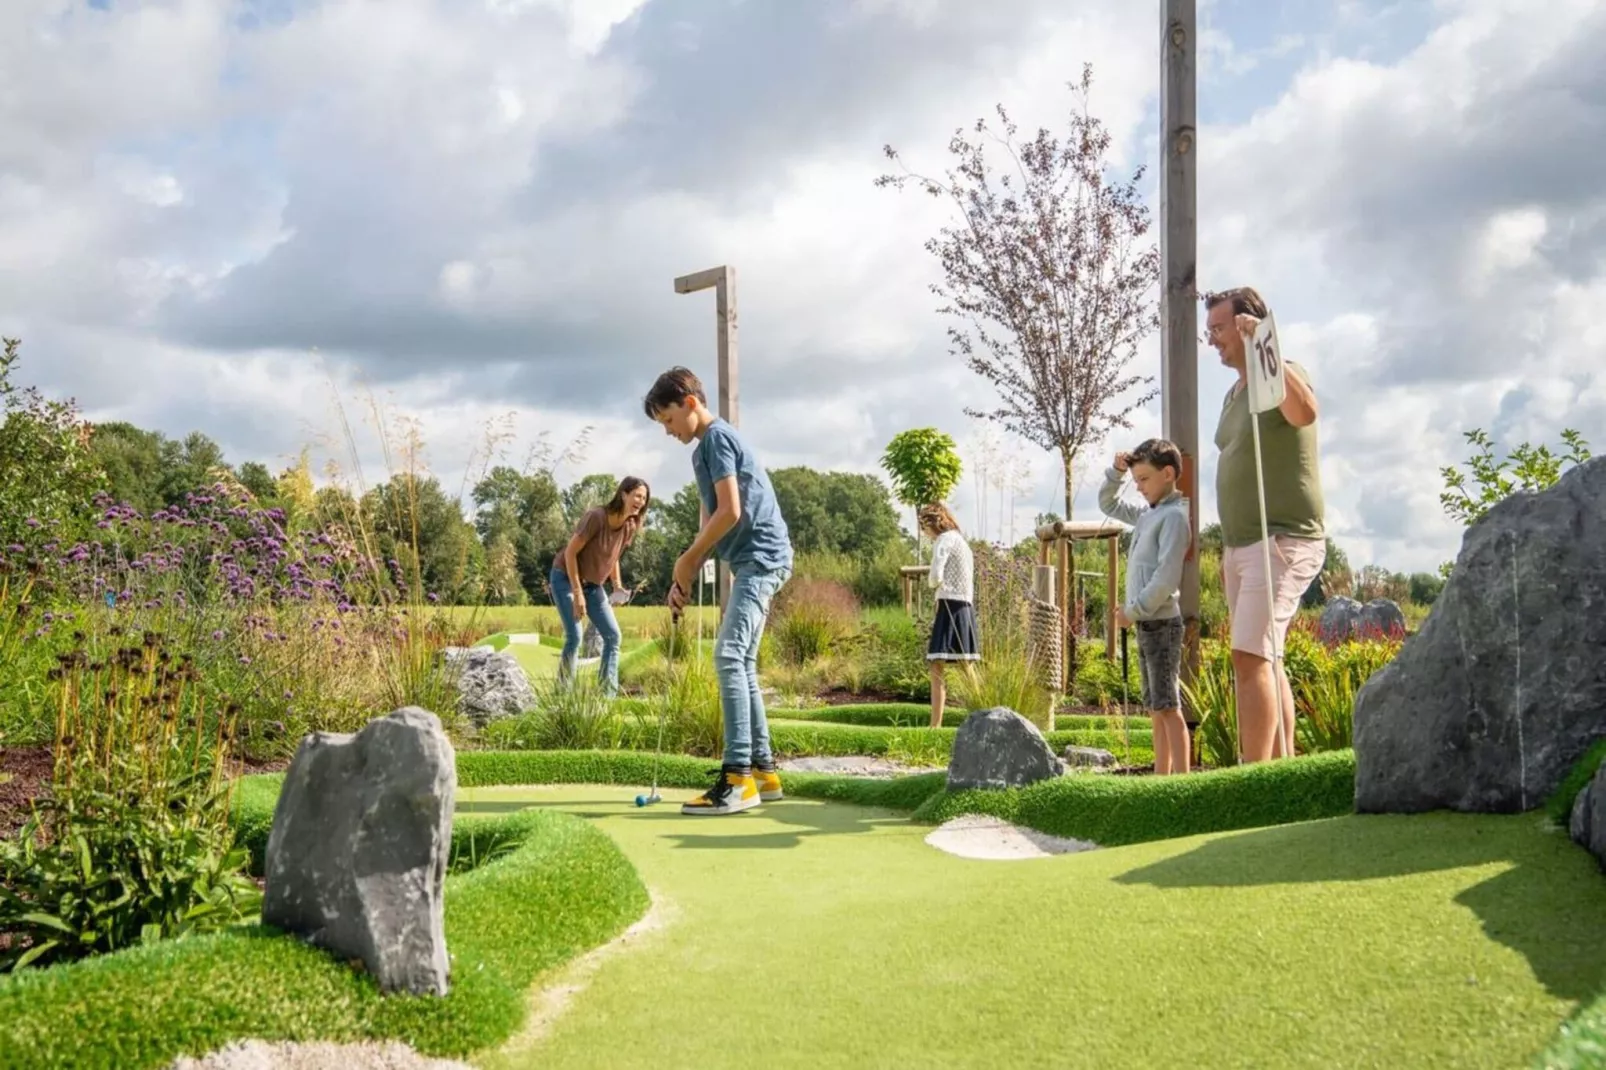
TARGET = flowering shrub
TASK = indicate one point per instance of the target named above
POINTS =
(300, 632)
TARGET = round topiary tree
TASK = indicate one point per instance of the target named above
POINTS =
(924, 466)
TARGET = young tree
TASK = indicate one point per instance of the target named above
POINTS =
(924, 467)
(1528, 468)
(1049, 278)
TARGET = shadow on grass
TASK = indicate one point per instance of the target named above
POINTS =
(1549, 905)
(803, 818)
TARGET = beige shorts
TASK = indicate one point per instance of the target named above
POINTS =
(1294, 564)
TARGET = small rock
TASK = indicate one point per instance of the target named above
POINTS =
(490, 683)
(356, 860)
(998, 748)
(1088, 758)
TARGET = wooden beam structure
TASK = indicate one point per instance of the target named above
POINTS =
(722, 280)
(1179, 298)
(1063, 535)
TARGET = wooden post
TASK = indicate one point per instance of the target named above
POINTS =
(1179, 309)
(723, 281)
(1111, 599)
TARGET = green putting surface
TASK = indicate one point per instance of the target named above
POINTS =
(806, 934)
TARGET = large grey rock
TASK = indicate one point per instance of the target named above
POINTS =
(1588, 824)
(356, 861)
(1504, 687)
(490, 683)
(999, 748)
(1339, 618)
(1381, 619)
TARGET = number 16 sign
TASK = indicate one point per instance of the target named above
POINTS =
(1267, 383)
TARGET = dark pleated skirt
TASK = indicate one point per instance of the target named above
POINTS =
(953, 632)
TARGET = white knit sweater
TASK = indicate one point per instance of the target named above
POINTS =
(953, 568)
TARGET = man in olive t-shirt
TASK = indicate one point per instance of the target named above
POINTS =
(1294, 522)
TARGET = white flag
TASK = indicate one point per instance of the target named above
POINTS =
(1267, 381)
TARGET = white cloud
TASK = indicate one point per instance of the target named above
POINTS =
(481, 207)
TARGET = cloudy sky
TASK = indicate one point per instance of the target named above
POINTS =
(224, 214)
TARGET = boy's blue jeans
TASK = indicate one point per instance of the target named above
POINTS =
(601, 612)
(747, 730)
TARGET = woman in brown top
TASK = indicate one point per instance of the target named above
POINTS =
(589, 560)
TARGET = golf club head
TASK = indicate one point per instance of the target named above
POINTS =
(648, 800)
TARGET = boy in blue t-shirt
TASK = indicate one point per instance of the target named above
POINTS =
(742, 522)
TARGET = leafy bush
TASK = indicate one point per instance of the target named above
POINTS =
(1215, 704)
(133, 843)
(577, 715)
(891, 654)
(810, 617)
(49, 473)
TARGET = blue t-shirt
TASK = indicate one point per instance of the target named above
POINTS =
(760, 538)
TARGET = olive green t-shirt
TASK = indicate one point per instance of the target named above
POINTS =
(1293, 477)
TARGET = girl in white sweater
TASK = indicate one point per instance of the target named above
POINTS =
(953, 627)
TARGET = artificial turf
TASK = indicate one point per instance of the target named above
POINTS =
(829, 935)
(550, 887)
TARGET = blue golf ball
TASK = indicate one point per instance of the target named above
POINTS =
(641, 800)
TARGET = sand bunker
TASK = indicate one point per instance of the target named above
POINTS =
(993, 839)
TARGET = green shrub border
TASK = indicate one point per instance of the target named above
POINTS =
(918, 715)
(557, 887)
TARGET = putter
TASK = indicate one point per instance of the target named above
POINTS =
(658, 751)
(1126, 712)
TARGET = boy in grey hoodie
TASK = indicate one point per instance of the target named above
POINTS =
(1160, 535)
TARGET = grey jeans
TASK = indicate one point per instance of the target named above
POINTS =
(1160, 658)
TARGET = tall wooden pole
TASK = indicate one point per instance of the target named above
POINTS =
(723, 281)
(1179, 308)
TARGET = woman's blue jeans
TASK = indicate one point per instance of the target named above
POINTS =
(601, 613)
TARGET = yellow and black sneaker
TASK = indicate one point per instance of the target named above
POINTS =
(733, 792)
(769, 785)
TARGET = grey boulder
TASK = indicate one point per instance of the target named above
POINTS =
(1088, 757)
(356, 860)
(1344, 618)
(1338, 620)
(1381, 619)
(1502, 690)
(1588, 824)
(998, 748)
(490, 683)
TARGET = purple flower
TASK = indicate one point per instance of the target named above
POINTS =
(217, 636)
(32, 523)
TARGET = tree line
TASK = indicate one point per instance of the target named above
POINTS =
(497, 546)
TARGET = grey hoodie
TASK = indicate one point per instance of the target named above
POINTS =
(1159, 543)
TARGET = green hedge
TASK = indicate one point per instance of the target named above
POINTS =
(559, 888)
(1114, 810)
(918, 715)
(1580, 1042)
